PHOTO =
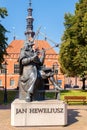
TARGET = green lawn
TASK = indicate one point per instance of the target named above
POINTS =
(12, 94)
(68, 93)
(73, 93)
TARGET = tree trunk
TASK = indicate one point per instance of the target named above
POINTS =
(83, 80)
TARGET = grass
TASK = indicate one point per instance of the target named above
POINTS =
(73, 93)
(10, 96)
(68, 93)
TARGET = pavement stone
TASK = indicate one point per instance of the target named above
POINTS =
(77, 119)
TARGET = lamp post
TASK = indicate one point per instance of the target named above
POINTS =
(55, 68)
(5, 90)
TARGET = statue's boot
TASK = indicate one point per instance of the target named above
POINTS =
(29, 97)
(30, 91)
(57, 87)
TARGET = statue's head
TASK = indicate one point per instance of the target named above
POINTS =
(28, 45)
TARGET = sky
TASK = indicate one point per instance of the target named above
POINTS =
(49, 14)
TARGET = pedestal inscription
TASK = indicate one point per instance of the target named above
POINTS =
(42, 113)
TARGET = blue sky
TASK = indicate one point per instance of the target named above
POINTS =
(49, 14)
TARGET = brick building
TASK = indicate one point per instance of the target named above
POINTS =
(9, 74)
(12, 67)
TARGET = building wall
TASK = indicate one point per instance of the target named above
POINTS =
(12, 59)
(74, 81)
(50, 60)
(9, 76)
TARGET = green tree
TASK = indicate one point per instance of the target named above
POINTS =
(73, 50)
(3, 38)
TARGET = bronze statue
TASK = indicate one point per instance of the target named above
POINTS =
(29, 63)
(32, 72)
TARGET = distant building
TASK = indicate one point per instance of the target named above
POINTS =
(9, 74)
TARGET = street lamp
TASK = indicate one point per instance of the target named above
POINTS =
(55, 69)
(5, 90)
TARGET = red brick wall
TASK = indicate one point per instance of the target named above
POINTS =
(14, 49)
(49, 61)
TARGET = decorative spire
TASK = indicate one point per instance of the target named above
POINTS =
(29, 29)
(30, 3)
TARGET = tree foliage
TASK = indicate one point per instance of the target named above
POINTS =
(73, 50)
(3, 38)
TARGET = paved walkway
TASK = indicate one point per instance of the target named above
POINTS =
(77, 119)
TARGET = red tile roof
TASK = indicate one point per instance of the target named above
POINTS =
(16, 45)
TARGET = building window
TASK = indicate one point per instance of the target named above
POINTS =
(3, 69)
(16, 68)
(0, 82)
(60, 82)
(12, 82)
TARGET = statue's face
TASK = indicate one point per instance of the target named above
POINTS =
(27, 47)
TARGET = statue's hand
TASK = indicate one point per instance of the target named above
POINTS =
(43, 52)
(34, 57)
(43, 49)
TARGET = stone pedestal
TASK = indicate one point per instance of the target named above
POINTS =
(38, 113)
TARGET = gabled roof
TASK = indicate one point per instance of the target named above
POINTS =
(16, 45)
